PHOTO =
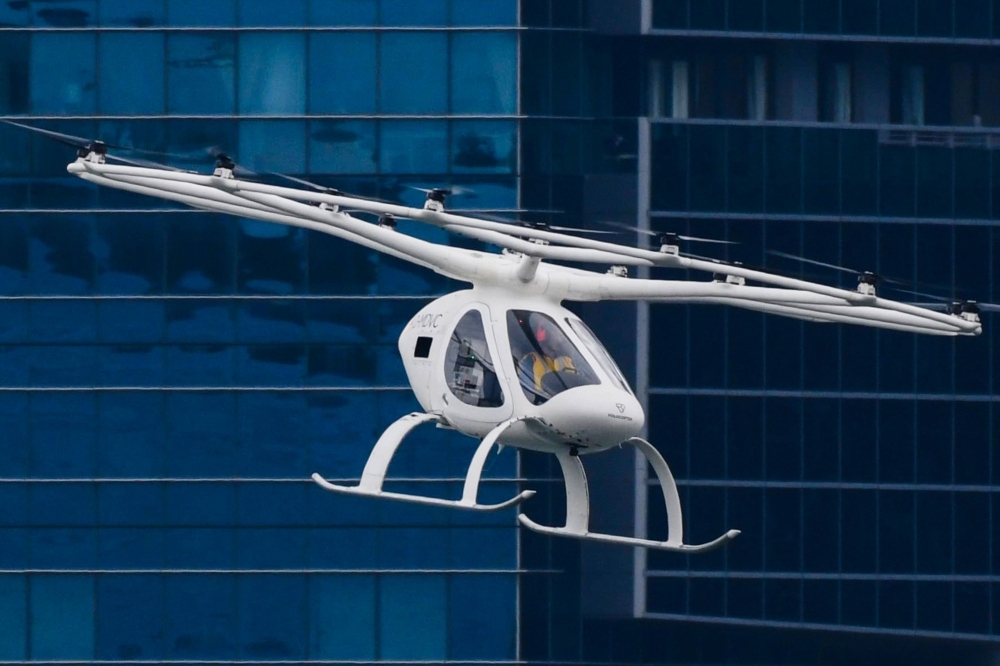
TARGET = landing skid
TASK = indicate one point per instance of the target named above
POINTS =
(375, 470)
(578, 508)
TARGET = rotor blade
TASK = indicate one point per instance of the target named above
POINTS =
(934, 297)
(65, 139)
(696, 239)
(627, 227)
(795, 257)
(659, 234)
(577, 231)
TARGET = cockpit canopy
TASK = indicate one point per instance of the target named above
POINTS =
(547, 360)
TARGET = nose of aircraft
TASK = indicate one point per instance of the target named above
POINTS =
(597, 417)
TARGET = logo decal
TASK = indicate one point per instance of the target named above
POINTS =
(621, 407)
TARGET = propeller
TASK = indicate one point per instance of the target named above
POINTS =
(863, 276)
(951, 305)
(669, 238)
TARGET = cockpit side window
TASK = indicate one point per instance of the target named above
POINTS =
(598, 351)
(546, 359)
(468, 366)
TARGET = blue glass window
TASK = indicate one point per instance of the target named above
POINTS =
(484, 73)
(342, 72)
(132, 73)
(63, 434)
(272, 73)
(272, 261)
(132, 13)
(414, 146)
(343, 617)
(206, 629)
(65, 13)
(202, 434)
(14, 55)
(343, 12)
(413, 71)
(62, 617)
(15, 15)
(201, 504)
(200, 547)
(274, 630)
(342, 147)
(273, 145)
(413, 622)
(410, 13)
(63, 75)
(131, 438)
(201, 251)
(13, 610)
(130, 547)
(130, 617)
(130, 257)
(201, 72)
(483, 147)
(479, 631)
(484, 12)
(198, 13)
(265, 13)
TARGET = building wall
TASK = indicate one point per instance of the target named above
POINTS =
(172, 378)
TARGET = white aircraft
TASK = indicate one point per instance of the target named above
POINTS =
(503, 361)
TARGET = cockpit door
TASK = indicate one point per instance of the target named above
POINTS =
(475, 389)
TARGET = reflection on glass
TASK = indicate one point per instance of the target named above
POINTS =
(13, 74)
(484, 12)
(343, 12)
(483, 147)
(132, 13)
(133, 70)
(273, 145)
(342, 72)
(198, 13)
(342, 146)
(413, 71)
(484, 73)
(64, 13)
(129, 253)
(272, 73)
(547, 361)
(410, 13)
(468, 366)
(201, 73)
(63, 76)
(414, 146)
(264, 13)
(53, 600)
(595, 347)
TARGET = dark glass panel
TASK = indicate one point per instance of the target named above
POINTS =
(858, 603)
(201, 73)
(746, 439)
(265, 321)
(668, 366)
(667, 595)
(821, 166)
(819, 601)
(783, 438)
(972, 183)
(483, 73)
(277, 629)
(567, 13)
(896, 441)
(62, 618)
(482, 632)
(131, 255)
(934, 17)
(63, 73)
(821, 440)
(536, 81)
(132, 73)
(972, 608)
(744, 511)
(201, 434)
(201, 252)
(821, 16)
(413, 617)
(784, 16)
(273, 428)
(567, 73)
(408, 13)
(342, 68)
(858, 442)
(746, 598)
(708, 15)
(995, 171)
(934, 444)
(271, 365)
(413, 68)
(784, 353)
(783, 600)
(783, 529)
(706, 597)
(342, 147)
(972, 533)
(934, 182)
(484, 13)
(203, 630)
(200, 504)
(483, 146)
(897, 17)
(745, 169)
(58, 262)
(59, 547)
(667, 14)
(783, 170)
(130, 437)
(707, 451)
(271, 74)
(130, 548)
(211, 548)
(54, 321)
(745, 15)
(195, 13)
(270, 547)
(971, 444)
(342, 609)
(261, 13)
(129, 616)
(63, 435)
(897, 180)
(858, 531)
(670, 171)
(258, 139)
(934, 533)
(14, 610)
(859, 17)
(414, 146)
(271, 259)
(132, 14)
(16, 15)
(14, 454)
(744, 362)
(820, 517)
(858, 171)
(895, 604)
(934, 604)
(708, 362)
(707, 170)
(343, 12)
(971, 18)
(896, 531)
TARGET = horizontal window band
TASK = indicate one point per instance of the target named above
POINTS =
(804, 218)
(202, 389)
(877, 577)
(823, 37)
(218, 297)
(825, 395)
(241, 480)
(834, 485)
(268, 572)
(846, 628)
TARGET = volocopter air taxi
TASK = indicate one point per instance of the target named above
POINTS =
(503, 361)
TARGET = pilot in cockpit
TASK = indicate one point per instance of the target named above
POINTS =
(553, 363)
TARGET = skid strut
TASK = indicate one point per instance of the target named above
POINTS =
(375, 470)
(578, 507)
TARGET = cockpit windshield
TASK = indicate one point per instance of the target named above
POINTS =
(595, 347)
(546, 359)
